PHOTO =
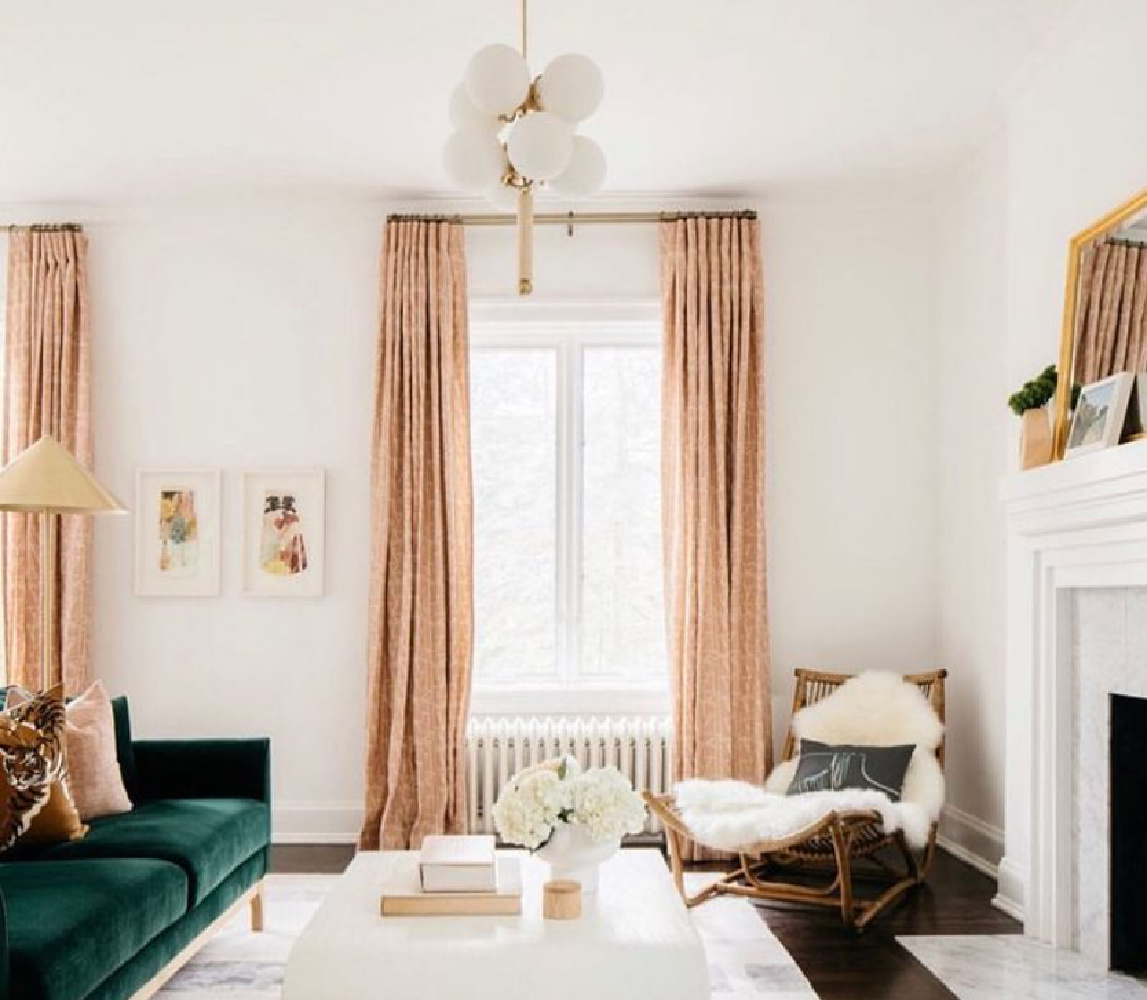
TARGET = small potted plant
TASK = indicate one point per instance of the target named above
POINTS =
(572, 819)
(1029, 403)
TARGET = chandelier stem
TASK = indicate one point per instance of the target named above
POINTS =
(526, 240)
(525, 52)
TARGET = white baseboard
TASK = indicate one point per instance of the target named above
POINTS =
(316, 822)
(1010, 890)
(972, 840)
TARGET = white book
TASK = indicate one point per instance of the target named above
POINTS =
(404, 897)
(458, 864)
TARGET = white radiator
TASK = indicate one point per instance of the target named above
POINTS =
(497, 747)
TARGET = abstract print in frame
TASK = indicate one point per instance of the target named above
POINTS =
(283, 532)
(177, 532)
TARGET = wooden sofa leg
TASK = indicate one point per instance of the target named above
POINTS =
(257, 909)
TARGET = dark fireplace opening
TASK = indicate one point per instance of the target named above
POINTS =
(1128, 765)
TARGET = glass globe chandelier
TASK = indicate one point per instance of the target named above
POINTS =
(513, 133)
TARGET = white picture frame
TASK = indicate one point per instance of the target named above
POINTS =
(1099, 415)
(177, 532)
(284, 508)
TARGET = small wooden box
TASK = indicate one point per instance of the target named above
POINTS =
(561, 900)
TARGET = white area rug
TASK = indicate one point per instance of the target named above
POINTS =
(745, 960)
(991, 967)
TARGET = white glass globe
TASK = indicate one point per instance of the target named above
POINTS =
(474, 159)
(585, 173)
(571, 88)
(464, 113)
(504, 197)
(540, 145)
(497, 79)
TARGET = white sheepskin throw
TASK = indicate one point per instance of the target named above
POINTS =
(874, 709)
(730, 815)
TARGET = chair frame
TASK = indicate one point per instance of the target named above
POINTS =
(834, 848)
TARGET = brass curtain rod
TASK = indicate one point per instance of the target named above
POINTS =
(48, 227)
(574, 218)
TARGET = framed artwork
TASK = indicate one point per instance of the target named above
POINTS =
(177, 532)
(283, 532)
(1097, 422)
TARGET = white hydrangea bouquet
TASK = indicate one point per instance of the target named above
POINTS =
(573, 819)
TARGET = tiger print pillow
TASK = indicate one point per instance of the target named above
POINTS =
(31, 760)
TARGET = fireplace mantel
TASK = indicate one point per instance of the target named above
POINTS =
(1098, 476)
(1075, 524)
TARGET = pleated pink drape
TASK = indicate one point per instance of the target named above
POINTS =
(713, 435)
(420, 641)
(47, 390)
(1111, 326)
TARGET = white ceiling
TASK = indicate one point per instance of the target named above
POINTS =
(116, 99)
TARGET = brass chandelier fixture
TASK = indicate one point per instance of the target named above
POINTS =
(514, 133)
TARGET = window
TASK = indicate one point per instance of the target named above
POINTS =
(567, 517)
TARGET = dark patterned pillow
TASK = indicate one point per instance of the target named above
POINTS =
(31, 760)
(822, 768)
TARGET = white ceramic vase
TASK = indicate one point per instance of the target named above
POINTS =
(573, 856)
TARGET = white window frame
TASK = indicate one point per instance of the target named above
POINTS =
(567, 327)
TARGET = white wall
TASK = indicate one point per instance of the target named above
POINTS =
(1073, 146)
(1077, 141)
(971, 389)
(1077, 148)
(233, 337)
(240, 334)
(851, 452)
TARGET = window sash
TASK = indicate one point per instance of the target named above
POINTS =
(568, 690)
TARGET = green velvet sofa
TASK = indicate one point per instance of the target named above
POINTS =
(106, 917)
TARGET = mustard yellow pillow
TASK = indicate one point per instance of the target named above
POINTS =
(32, 761)
(57, 821)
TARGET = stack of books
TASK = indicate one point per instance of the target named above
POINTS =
(456, 876)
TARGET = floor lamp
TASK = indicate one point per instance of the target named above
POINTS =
(48, 480)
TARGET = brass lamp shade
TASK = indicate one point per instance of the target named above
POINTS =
(48, 480)
(46, 477)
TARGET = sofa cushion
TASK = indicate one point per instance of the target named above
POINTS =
(72, 924)
(157, 955)
(207, 838)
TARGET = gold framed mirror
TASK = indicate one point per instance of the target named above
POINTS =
(1105, 305)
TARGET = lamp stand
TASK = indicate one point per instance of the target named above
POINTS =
(47, 593)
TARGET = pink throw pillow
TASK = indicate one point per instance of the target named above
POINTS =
(93, 775)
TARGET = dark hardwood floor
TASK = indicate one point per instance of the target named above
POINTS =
(840, 964)
(311, 858)
(843, 965)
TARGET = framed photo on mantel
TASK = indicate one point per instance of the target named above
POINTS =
(1100, 415)
(283, 532)
(177, 532)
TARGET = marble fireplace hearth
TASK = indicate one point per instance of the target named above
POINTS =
(1076, 635)
(1110, 629)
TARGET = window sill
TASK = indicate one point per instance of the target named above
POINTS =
(570, 701)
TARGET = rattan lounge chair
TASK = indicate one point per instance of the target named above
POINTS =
(820, 865)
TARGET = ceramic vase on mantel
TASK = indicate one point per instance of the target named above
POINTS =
(574, 857)
(1035, 440)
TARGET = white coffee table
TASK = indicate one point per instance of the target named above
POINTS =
(634, 940)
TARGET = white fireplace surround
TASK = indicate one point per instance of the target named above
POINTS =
(1076, 524)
